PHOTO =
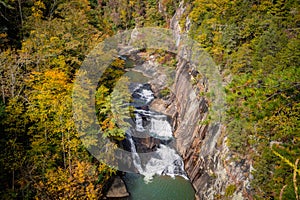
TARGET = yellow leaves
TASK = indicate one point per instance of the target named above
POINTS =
(79, 184)
(51, 81)
(56, 37)
(49, 107)
(264, 5)
(131, 3)
(212, 21)
(3, 35)
(4, 39)
(103, 168)
(14, 108)
(39, 4)
(91, 193)
(119, 63)
(288, 162)
(58, 77)
(123, 15)
(37, 9)
(79, 174)
(202, 38)
(213, 6)
(26, 47)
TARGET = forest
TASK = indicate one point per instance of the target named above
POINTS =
(255, 43)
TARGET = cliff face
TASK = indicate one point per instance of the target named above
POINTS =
(208, 161)
(210, 165)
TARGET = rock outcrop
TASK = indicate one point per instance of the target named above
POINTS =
(208, 161)
(117, 189)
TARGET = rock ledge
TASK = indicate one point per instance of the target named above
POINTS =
(117, 189)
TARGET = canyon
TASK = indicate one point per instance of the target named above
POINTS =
(201, 142)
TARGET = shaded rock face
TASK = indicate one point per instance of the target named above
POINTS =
(117, 189)
(207, 158)
(195, 143)
(147, 144)
(143, 144)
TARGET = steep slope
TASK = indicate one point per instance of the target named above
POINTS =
(203, 146)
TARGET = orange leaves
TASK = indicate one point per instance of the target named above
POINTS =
(108, 124)
(81, 183)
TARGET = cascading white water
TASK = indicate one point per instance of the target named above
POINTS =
(159, 125)
(139, 122)
(166, 164)
(166, 161)
(146, 95)
(135, 156)
(161, 128)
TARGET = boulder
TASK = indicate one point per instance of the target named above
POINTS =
(117, 189)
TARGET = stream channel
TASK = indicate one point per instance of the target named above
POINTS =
(162, 176)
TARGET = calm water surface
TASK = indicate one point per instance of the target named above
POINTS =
(161, 188)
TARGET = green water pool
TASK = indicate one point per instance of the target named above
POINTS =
(160, 188)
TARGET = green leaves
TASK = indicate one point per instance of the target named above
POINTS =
(113, 110)
(258, 43)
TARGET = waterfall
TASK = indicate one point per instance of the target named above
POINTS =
(146, 95)
(135, 156)
(139, 122)
(161, 128)
(165, 160)
(143, 94)
(168, 163)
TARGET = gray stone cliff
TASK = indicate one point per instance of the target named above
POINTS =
(208, 161)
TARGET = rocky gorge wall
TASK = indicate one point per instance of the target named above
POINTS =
(210, 165)
(208, 161)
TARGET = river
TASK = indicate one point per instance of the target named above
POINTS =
(161, 176)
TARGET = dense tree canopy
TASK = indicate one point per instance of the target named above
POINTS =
(257, 44)
(43, 44)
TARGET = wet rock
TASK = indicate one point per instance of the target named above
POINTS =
(146, 144)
